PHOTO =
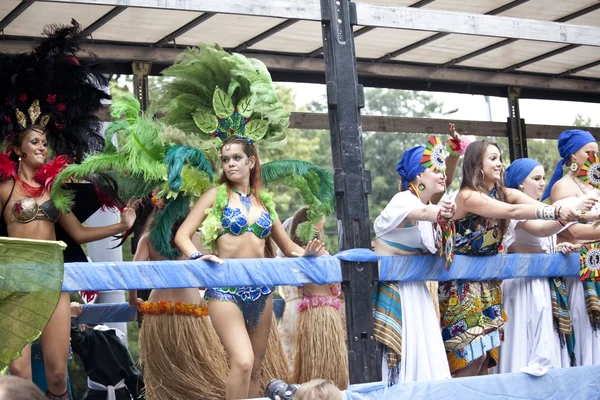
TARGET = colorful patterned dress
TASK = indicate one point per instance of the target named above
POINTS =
(472, 314)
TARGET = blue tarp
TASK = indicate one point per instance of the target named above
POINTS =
(302, 270)
(106, 312)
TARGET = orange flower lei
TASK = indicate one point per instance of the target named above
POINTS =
(169, 307)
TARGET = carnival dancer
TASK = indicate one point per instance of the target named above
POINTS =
(538, 308)
(472, 313)
(50, 101)
(405, 318)
(317, 335)
(180, 351)
(575, 148)
(233, 106)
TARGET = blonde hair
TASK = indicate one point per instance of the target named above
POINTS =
(318, 389)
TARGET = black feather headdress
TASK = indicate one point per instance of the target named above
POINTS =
(49, 86)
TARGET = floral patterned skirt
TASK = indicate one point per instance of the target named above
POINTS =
(250, 300)
(472, 319)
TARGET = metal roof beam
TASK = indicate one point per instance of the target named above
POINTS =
(385, 17)
(103, 20)
(18, 10)
(541, 57)
(357, 33)
(187, 27)
(393, 75)
(576, 70)
(509, 41)
(437, 36)
(266, 34)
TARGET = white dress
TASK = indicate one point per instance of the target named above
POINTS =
(423, 353)
(531, 343)
(587, 342)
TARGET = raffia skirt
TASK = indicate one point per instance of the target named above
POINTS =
(181, 354)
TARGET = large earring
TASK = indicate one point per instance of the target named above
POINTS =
(573, 167)
(421, 187)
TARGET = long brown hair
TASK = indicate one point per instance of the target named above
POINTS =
(473, 177)
(255, 174)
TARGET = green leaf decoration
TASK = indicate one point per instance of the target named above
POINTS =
(31, 281)
(206, 122)
(256, 129)
(222, 104)
(245, 106)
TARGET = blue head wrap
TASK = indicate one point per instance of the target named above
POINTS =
(518, 171)
(569, 142)
(410, 165)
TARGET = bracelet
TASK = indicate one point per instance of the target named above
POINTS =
(557, 212)
(196, 255)
(546, 213)
(457, 148)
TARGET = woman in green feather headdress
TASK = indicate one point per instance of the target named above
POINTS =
(229, 100)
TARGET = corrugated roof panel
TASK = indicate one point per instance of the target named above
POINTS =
(7, 6)
(228, 30)
(475, 7)
(397, 3)
(380, 41)
(447, 48)
(302, 37)
(590, 72)
(39, 14)
(590, 19)
(144, 25)
(565, 61)
(511, 54)
(547, 9)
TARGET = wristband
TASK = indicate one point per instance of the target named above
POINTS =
(196, 255)
(457, 148)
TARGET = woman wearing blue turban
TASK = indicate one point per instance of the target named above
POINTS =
(575, 146)
(536, 306)
(406, 323)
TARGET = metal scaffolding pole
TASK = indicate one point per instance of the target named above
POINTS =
(517, 138)
(352, 184)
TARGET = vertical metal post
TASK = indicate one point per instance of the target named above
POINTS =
(352, 184)
(517, 138)
(141, 70)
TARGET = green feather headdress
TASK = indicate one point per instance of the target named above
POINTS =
(215, 95)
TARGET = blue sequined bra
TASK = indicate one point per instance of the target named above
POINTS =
(236, 223)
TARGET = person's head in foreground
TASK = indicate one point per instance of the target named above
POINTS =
(318, 389)
(15, 388)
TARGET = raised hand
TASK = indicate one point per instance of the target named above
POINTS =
(128, 215)
(452, 132)
(314, 248)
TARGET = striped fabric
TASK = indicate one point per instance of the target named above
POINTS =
(562, 316)
(591, 291)
(387, 317)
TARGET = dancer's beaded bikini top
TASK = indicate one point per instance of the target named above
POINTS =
(236, 223)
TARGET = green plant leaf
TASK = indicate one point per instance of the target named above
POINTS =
(205, 121)
(222, 104)
(244, 107)
(256, 128)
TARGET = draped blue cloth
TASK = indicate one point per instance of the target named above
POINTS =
(569, 142)
(410, 165)
(518, 171)
(302, 270)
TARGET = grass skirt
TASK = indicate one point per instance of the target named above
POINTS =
(275, 363)
(181, 353)
(321, 350)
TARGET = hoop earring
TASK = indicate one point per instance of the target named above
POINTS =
(573, 167)
(421, 187)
